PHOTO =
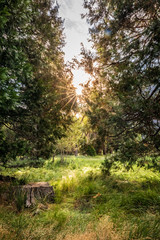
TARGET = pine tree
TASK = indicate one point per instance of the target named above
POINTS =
(32, 73)
(126, 36)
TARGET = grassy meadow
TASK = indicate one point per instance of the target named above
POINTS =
(88, 205)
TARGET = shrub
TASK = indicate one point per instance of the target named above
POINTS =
(107, 165)
(88, 149)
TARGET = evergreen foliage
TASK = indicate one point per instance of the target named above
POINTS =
(32, 71)
(126, 37)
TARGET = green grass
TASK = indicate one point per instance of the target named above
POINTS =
(125, 205)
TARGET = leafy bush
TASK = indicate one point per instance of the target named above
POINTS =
(88, 149)
(10, 147)
(107, 165)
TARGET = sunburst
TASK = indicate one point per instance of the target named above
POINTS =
(80, 78)
(71, 94)
(69, 99)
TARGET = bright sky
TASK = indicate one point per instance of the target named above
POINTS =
(76, 31)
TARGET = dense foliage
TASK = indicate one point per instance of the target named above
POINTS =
(32, 72)
(78, 139)
(126, 37)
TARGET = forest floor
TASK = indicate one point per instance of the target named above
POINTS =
(88, 205)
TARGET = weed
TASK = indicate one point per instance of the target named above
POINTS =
(55, 217)
(19, 224)
(20, 199)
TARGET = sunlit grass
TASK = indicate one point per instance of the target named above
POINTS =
(88, 205)
(54, 171)
(138, 174)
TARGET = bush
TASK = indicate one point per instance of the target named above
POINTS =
(88, 149)
(107, 165)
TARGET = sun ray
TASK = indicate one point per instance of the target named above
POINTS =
(62, 87)
(68, 102)
(73, 103)
(66, 97)
(66, 93)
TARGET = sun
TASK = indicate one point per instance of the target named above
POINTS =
(71, 96)
(79, 78)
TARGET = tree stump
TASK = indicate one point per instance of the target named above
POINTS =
(37, 191)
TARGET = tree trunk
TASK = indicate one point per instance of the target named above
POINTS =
(104, 149)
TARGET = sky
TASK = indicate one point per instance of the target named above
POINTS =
(76, 31)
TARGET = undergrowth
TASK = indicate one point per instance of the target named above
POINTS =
(88, 204)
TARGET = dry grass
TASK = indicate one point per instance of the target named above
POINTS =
(5, 233)
(103, 231)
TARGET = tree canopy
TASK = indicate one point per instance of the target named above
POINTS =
(34, 81)
(36, 91)
(126, 37)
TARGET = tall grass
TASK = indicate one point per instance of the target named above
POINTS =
(88, 204)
